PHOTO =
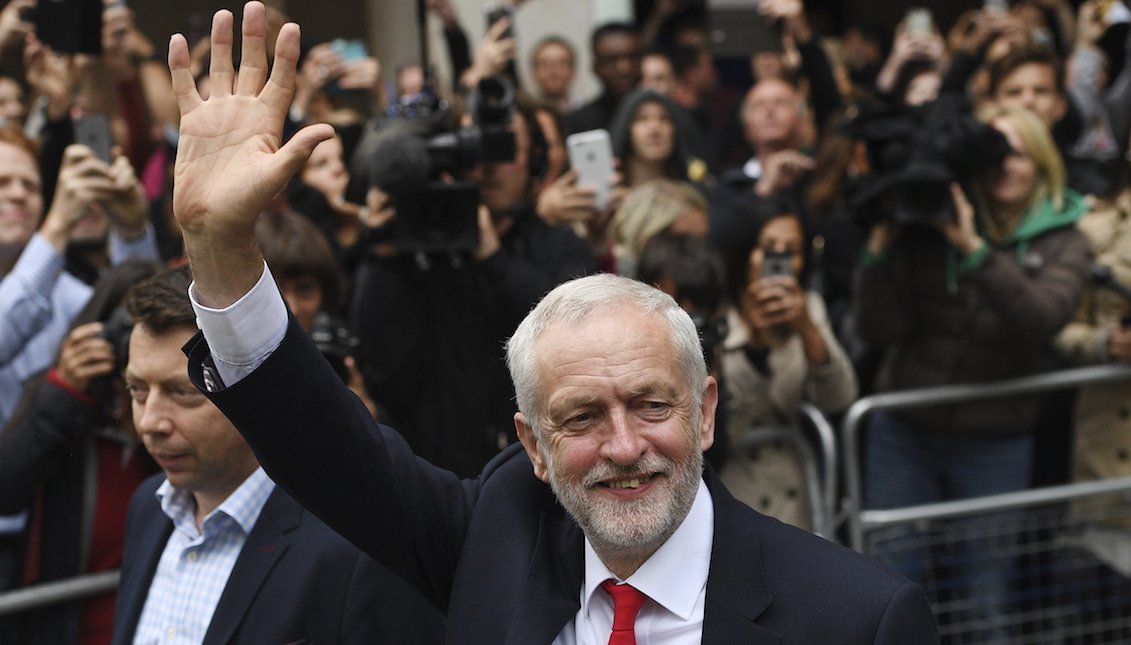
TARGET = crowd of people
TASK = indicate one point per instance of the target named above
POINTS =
(846, 214)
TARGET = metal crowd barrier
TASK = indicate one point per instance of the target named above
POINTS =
(49, 593)
(813, 441)
(1045, 565)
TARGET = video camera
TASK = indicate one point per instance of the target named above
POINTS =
(67, 26)
(914, 154)
(418, 158)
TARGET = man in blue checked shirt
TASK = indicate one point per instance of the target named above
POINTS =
(214, 552)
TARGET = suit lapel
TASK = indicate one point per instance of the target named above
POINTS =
(264, 547)
(133, 588)
(551, 597)
(737, 592)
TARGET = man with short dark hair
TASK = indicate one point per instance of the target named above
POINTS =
(600, 526)
(214, 552)
(616, 62)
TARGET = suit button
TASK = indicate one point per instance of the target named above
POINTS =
(1121, 454)
(1124, 413)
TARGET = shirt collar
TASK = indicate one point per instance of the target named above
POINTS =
(243, 505)
(686, 555)
(753, 168)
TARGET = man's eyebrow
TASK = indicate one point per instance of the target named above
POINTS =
(571, 402)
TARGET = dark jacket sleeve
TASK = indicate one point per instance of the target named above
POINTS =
(542, 259)
(823, 92)
(320, 444)
(35, 441)
(1034, 309)
(882, 304)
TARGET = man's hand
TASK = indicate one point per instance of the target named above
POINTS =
(230, 162)
(127, 205)
(562, 201)
(781, 171)
(84, 180)
(84, 356)
(1119, 345)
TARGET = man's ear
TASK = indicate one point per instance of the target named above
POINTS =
(707, 410)
(530, 442)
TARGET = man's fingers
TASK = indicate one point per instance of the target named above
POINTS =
(280, 90)
(253, 57)
(220, 71)
(184, 87)
(295, 152)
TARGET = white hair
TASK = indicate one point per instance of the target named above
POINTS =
(572, 302)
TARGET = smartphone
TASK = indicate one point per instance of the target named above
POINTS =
(1000, 6)
(349, 50)
(591, 155)
(777, 264)
(918, 21)
(93, 131)
(495, 13)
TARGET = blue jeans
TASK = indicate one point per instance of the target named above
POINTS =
(907, 466)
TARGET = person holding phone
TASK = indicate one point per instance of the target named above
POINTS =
(780, 351)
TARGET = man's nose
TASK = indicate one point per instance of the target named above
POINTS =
(623, 445)
(151, 418)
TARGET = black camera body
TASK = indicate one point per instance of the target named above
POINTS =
(914, 154)
(67, 26)
(336, 342)
(418, 158)
(116, 329)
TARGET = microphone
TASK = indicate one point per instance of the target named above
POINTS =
(400, 164)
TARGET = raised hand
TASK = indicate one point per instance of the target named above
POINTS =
(230, 158)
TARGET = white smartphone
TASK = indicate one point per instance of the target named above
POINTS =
(919, 21)
(591, 155)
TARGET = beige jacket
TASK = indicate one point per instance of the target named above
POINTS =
(1103, 412)
(771, 480)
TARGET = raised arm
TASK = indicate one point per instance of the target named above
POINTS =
(230, 159)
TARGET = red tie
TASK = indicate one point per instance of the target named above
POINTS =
(627, 601)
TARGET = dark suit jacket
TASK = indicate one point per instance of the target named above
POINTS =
(502, 556)
(295, 581)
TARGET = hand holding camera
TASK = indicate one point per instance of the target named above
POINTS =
(961, 231)
(84, 356)
(773, 298)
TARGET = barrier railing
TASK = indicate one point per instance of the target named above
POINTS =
(49, 593)
(1047, 565)
(860, 518)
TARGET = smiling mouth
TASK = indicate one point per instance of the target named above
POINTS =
(628, 483)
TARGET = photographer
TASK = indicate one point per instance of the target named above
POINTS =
(970, 297)
(780, 351)
(435, 322)
(72, 457)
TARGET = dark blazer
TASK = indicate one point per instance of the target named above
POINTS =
(503, 557)
(295, 581)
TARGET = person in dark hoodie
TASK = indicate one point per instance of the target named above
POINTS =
(651, 137)
(977, 303)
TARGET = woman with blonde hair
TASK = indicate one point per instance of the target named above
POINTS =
(978, 303)
(658, 205)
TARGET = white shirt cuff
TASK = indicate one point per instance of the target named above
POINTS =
(242, 335)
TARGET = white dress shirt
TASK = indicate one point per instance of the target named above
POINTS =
(674, 579)
(196, 563)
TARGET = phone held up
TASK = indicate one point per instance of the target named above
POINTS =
(93, 131)
(496, 12)
(591, 155)
(776, 264)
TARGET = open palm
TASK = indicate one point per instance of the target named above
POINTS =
(230, 163)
